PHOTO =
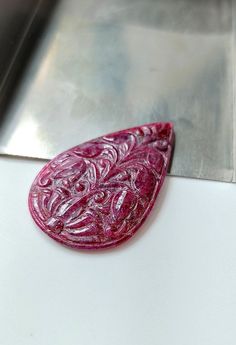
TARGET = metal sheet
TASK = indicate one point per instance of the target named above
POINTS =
(15, 20)
(107, 65)
(12, 11)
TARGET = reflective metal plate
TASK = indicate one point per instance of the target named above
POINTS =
(111, 64)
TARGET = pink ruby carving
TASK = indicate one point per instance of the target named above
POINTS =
(98, 194)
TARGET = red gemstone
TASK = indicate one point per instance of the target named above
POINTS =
(97, 194)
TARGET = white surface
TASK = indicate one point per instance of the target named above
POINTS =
(174, 284)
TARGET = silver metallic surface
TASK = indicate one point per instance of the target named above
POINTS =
(111, 64)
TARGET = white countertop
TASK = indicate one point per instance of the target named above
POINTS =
(173, 284)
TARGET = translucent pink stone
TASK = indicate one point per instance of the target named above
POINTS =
(98, 194)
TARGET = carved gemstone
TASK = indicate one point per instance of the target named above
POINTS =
(97, 194)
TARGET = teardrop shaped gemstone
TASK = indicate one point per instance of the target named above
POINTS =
(98, 194)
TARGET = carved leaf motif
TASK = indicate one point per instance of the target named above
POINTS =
(97, 194)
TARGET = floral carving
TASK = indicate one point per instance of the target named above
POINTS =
(97, 194)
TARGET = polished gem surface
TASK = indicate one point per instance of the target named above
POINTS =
(98, 194)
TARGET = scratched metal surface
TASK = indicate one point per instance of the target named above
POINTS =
(111, 64)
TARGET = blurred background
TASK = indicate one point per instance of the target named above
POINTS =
(72, 70)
